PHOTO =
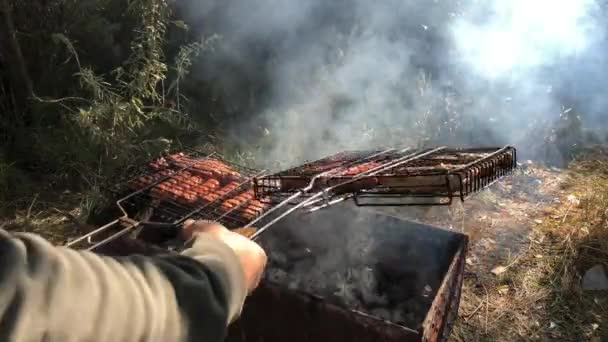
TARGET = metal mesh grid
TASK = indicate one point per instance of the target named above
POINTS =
(329, 163)
(439, 177)
(313, 176)
(158, 197)
(407, 177)
(171, 209)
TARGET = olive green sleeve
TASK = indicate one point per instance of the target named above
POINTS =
(50, 293)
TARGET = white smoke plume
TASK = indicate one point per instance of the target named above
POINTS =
(355, 74)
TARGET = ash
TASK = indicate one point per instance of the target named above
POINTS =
(357, 262)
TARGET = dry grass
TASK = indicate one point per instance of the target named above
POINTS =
(56, 217)
(538, 296)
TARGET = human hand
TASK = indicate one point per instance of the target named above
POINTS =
(253, 258)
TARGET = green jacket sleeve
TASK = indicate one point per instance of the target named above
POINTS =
(50, 293)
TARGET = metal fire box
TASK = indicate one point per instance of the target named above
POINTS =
(417, 256)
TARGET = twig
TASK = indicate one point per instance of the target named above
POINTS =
(469, 316)
(516, 259)
(595, 249)
(69, 98)
(29, 209)
(71, 218)
(567, 211)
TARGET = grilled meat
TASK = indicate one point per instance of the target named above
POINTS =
(193, 182)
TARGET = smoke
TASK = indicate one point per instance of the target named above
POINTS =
(355, 74)
(518, 37)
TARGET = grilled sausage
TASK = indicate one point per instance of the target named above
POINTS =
(211, 183)
(215, 195)
(238, 200)
(210, 197)
(249, 214)
(257, 206)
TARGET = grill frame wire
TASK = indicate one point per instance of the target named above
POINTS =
(311, 178)
(468, 177)
(300, 193)
(210, 211)
(308, 197)
(323, 195)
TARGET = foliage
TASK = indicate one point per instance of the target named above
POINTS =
(103, 110)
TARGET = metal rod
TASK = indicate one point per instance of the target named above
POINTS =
(295, 196)
(113, 237)
(275, 208)
(313, 199)
(327, 204)
(280, 217)
(480, 159)
(408, 159)
(374, 171)
(95, 232)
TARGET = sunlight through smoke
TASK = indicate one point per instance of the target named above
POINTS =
(519, 35)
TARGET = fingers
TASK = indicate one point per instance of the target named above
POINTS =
(192, 227)
(252, 256)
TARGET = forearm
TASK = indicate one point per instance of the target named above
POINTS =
(65, 295)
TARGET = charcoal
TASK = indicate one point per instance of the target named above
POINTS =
(391, 272)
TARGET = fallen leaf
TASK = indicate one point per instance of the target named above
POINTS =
(498, 270)
(538, 256)
(469, 261)
(538, 221)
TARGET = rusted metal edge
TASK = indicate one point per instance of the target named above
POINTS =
(265, 318)
(440, 319)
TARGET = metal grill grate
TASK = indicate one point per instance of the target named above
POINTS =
(175, 187)
(171, 190)
(439, 177)
(314, 176)
(391, 178)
